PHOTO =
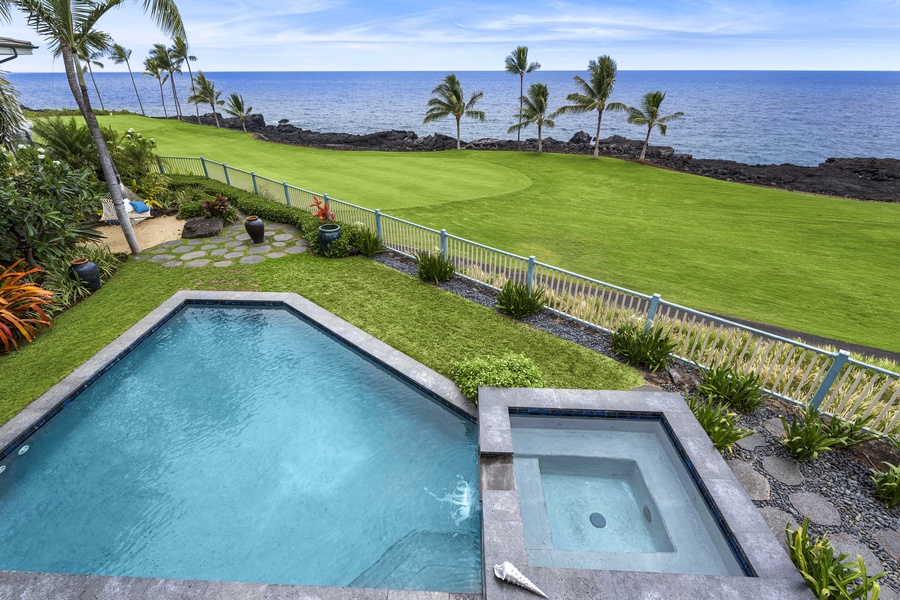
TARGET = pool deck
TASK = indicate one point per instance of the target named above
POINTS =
(504, 538)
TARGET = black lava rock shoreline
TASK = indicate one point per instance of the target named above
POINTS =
(872, 179)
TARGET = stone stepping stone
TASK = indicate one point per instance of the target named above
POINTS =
(242, 237)
(222, 263)
(260, 249)
(173, 263)
(234, 244)
(817, 508)
(783, 469)
(846, 543)
(774, 426)
(295, 250)
(162, 258)
(193, 255)
(198, 263)
(194, 242)
(279, 244)
(209, 247)
(755, 484)
(218, 240)
(219, 252)
(887, 593)
(889, 540)
(140, 257)
(276, 255)
(252, 260)
(182, 249)
(776, 519)
(157, 250)
(234, 255)
(170, 244)
(753, 441)
(291, 229)
(283, 237)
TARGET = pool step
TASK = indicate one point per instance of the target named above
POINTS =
(427, 560)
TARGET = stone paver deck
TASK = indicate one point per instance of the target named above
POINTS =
(232, 247)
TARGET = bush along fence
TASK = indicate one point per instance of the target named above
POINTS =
(832, 382)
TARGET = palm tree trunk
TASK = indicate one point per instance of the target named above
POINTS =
(79, 91)
(243, 125)
(215, 116)
(193, 89)
(521, 91)
(597, 137)
(540, 140)
(457, 133)
(162, 97)
(646, 141)
(141, 104)
(99, 97)
(175, 96)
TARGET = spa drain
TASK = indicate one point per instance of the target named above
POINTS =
(647, 514)
(598, 520)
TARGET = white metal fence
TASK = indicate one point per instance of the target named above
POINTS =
(791, 370)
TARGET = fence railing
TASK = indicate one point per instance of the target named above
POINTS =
(800, 373)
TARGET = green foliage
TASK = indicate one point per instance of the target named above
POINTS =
(433, 267)
(174, 196)
(830, 576)
(71, 112)
(738, 390)
(45, 206)
(70, 141)
(220, 207)
(642, 348)
(850, 433)
(509, 370)
(22, 305)
(12, 121)
(718, 422)
(191, 209)
(806, 438)
(135, 160)
(449, 101)
(887, 484)
(367, 242)
(518, 301)
(68, 291)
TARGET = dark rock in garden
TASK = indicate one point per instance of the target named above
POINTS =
(202, 227)
(582, 137)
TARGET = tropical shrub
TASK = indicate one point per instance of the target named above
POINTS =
(45, 206)
(219, 207)
(21, 306)
(191, 209)
(510, 370)
(648, 348)
(433, 267)
(830, 576)
(70, 141)
(67, 291)
(738, 390)
(518, 301)
(850, 433)
(887, 484)
(806, 438)
(321, 211)
(719, 423)
(367, 242)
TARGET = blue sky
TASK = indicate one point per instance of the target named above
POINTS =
(360, 35)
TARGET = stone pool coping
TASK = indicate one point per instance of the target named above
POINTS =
(20, 584)
(503, 536)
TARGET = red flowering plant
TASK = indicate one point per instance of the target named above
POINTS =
(322, 211)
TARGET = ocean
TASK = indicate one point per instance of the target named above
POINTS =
(757, 117)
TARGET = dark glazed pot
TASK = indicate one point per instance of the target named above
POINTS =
(256, 229)
(327, 234)
(86, 271)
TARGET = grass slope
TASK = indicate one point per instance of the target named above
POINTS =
(433, 326)
(826, 266)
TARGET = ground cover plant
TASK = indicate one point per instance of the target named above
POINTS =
(432, 326)
(510, 370)
(642, 347)
(797, 244)
(807, 437)
(718, 422)
(738, 390)
(518, 301)
(433, 267)
(887, 484)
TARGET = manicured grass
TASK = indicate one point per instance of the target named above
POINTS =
(826, 266)
(433, 326)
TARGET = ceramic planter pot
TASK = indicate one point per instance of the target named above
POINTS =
(327, 234)
(256, 229)
(84, 270)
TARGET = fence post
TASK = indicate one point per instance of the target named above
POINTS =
(529, 275)
(227, 178)
(205, 168)
(651, 312)
(255, 187)
(444, 243)
(840, 359)
(378, 225)
(287, 193)
(327, 202)
(160, 165)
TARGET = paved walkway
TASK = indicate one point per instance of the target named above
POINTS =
(232, 247)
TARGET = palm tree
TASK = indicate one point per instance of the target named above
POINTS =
(648, 115)
(93, 60)
(153, 69)
(179, 52)
(595, 95)
(11, 118)
(534, 111)
(119, 55)
(448, 101)
(60, 22)
(163, 58)
(92, 46)
(236, 108)
(206, 92)
(517, 64)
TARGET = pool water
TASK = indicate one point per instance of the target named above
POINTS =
(244, 444)
(612, 494)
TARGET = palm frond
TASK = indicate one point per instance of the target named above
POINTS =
(165, 14)
(475, 114)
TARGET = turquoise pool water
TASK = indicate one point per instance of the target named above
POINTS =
(243, 444)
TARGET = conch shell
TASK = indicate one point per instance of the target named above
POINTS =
(507, 572)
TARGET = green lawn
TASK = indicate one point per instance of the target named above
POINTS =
(433, 326)
(826, 266)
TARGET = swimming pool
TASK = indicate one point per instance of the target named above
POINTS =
(247, 444)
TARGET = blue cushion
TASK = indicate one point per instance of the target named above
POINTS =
(139, 207)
